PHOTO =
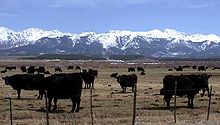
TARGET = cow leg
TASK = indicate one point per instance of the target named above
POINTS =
(55, 104)
(41, 93)
(123, 89)
(203, 92)
(78, 103)
(49, 104)
(73, 99)
(167, 99)
(188, 101)
(92, 85)
(19, 93)
(192, 104)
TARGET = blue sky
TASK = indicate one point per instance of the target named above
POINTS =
(76, 16)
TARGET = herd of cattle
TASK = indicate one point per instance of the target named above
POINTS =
(199, 68)
(69, 85)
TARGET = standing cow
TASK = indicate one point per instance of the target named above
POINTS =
(127, 81)
(61, 86)
(21, 81)
(188, 85)
(140, 69)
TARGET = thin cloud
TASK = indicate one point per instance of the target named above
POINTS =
(198, 6)
(4, 14)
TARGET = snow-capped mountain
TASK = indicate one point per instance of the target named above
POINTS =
(156, 43)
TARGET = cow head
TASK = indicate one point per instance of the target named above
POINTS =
(6, 80)
(205, 84)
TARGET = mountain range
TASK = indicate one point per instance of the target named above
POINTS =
(154, 43)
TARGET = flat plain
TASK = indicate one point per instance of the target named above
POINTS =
(110, 105)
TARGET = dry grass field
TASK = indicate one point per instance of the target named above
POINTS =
(110, 106)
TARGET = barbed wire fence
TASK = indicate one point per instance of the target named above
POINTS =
(135, 118)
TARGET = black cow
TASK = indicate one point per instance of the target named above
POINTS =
(61, 86)
(194, 67)
(10, 67)
(89, 79)
(77, 68)
(23, 69)
(188, 85)
(31, 70)
(127, 81)
(131, 69)
(58, 69)
(202, 68)
(180, 68)
(70, 67)
(94, 72)
(114, 75)
(140, 69)
(214, 68)
(40, 69)
(47, 72)
(142, 73)
(21, 81)
(3, 71)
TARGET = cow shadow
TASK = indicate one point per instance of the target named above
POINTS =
(171, 108)
(43, 110)
(121, 92)
(14, 98)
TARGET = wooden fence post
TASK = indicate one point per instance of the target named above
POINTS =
(210, 97)
(134, 105)
(175, 102)
(91, 106)
(47, 112)
(10, 111)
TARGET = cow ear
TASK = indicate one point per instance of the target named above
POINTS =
(3, 78)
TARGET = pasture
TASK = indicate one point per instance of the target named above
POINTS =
(110, 105)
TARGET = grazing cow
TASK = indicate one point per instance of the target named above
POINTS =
(188, 85)
(180, 68)
(70, 67)
(114, 75)
(202, 68)
(186, 66)
(31, 70)
(23, 69)
(127, 81)
(3, 71)
(142, 73)
(194, 67)
(58, 69)
(140, 69)
(20, 81)
(40, 69)
(61, 86)
(214, 68)
(10, 68)
(47, 72)
(131, 69)
(94, 72)
(170, 69)
(77, 68)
